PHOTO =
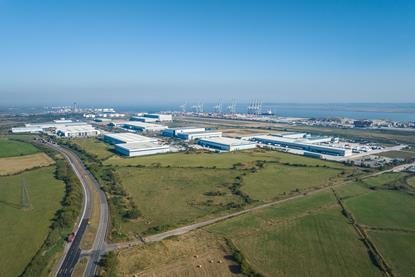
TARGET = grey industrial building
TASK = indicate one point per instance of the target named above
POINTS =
(134, 149)
(306, 145)
(199, 135)
(43, 127)
(227, 144)
(173, 132)
(142, 126)
(117, 138)
(131, 144)
(77, 131)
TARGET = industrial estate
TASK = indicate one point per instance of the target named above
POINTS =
(124, 135)
(203, 194)
(248, 138)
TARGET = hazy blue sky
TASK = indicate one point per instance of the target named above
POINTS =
(142, 51)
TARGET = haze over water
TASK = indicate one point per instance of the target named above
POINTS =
(387, 111)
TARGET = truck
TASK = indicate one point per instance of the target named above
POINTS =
(70, 237)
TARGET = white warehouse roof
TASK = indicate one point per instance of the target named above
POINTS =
(228, 141)
(134, 146)
(127, 137)
(143, 125)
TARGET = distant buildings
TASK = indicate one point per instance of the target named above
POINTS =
(118, 138)
(362, 123)
(142, 126)
(134, 149)
(77, 131)
(191, 133)
(308, 144)
(144, 119)
(227, 144)
(153, 117)
(173, 132)
(46, 127)
(199, 135)
(131, 145)
(28, 129)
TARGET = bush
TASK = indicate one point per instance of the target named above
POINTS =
(64, 219)
(109, 264)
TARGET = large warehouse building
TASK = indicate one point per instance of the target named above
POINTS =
(199, 135)
(305, 145)
(159, 117)
(43, 127)
(227, 144)
(77, 131)
(134, 149)
(173, 132)
(144, 119)
(142, 126)
(118, 138)
(131, 145)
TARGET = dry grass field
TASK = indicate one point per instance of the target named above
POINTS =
(13, 165)
(195, 254)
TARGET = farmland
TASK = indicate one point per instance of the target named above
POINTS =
(398, 250)
(11, 148)
(27, 223)
(172, 196)
(222, 160)
(407, 155)
(277, 180)
(175, 189)
(94, 147)
(196, 254)
(306, 237)
(310, 236)
(13, 165)
(383, 205)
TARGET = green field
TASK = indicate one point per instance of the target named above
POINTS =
(378, 203)
(275, 180)
(398, 250)
(95, 147)
(179, 188)
(383, 209)
(11, 148)
(384, 179)
(173, 196)
(407, 155)
(411, 181)
(23, 230)
(222, 160)
(307, 237)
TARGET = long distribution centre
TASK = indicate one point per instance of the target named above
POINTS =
(227, 144)
(134, 149)
(118, 138)
(303, 145)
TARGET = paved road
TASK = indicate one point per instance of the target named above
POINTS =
(188, 228)
(71, 256)
(99, 245)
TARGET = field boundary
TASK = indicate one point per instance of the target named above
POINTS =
(373, 250)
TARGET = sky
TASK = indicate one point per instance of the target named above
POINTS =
(126, 52)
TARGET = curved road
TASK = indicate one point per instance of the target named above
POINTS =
(71, 255)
